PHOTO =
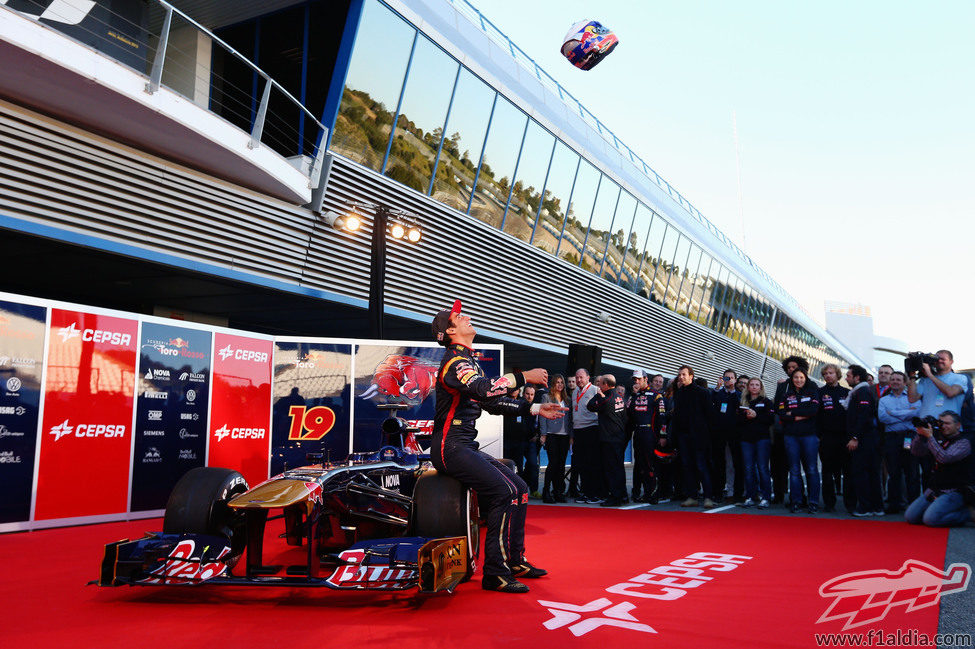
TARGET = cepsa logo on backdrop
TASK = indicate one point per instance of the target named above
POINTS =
(241, 406)
(88, 405)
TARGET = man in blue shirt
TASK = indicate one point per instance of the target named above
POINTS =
(895, 412)
(940, 389)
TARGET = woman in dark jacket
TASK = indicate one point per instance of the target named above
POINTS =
(690, 423)
(798, 411)
(754, 420)
(556, 437)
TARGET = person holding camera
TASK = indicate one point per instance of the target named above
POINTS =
(940, 389)
(942, 504)
(895, 412)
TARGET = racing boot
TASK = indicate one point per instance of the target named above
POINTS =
(525, 570)
(503, 584)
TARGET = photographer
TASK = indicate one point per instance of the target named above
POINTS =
(942, 504)
(940, 389)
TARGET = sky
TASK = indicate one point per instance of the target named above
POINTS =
(855, 137)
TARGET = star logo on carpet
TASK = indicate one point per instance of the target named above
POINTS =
(570, 615)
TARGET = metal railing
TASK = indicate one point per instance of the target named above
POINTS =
(174, 51)
(547, 80)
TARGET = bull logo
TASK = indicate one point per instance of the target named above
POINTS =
(406, 379)
(864, 597)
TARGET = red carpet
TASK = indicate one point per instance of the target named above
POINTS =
(770, 600)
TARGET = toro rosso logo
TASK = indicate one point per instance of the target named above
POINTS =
(242, 354)
(94, 335)
(239, 433)
(864, 597)
(404, 378)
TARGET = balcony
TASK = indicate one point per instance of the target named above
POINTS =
(158, 81)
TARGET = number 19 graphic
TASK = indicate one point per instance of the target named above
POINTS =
(316, 421)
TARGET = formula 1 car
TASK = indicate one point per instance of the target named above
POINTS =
(381, 520)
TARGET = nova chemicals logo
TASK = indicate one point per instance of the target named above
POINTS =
(242, 354)
(239, 433)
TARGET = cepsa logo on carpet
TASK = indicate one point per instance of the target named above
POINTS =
(668, 582)
(868, 596)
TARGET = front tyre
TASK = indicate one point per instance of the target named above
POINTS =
(198, 505)
(443, 507)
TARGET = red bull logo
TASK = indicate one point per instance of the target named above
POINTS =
(403, 378)
(864, 597)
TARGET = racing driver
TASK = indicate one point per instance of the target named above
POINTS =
(462, 392)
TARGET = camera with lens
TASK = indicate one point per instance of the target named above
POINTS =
(914, 360)
(927, 422)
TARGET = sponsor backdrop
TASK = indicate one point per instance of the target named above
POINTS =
(406, 376)
(101, 412)
(21, 358)
(171, 410)
(311, 402)
(86, 441)
(241, 405)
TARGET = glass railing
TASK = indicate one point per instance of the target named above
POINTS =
(175, 52)
(492, 30)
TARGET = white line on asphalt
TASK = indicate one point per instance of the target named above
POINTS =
(632, 506)
(719, 509)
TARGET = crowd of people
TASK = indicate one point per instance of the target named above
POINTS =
(891, 445)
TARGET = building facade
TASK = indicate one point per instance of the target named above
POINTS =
(181, 180)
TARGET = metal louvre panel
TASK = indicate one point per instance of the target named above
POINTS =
(57, 175)
(517, 292)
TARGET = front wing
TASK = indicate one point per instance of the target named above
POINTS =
(432, 565)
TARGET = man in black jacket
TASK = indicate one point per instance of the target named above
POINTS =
(608, 404)
(863, 443)
(462, 392)
(725, 435)
(832, 446)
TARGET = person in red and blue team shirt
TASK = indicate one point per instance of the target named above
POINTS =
(645, 416)
(833, 453)
(798, 411)
(462, 393)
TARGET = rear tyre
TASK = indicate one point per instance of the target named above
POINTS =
(443, 507)
(198, 505)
